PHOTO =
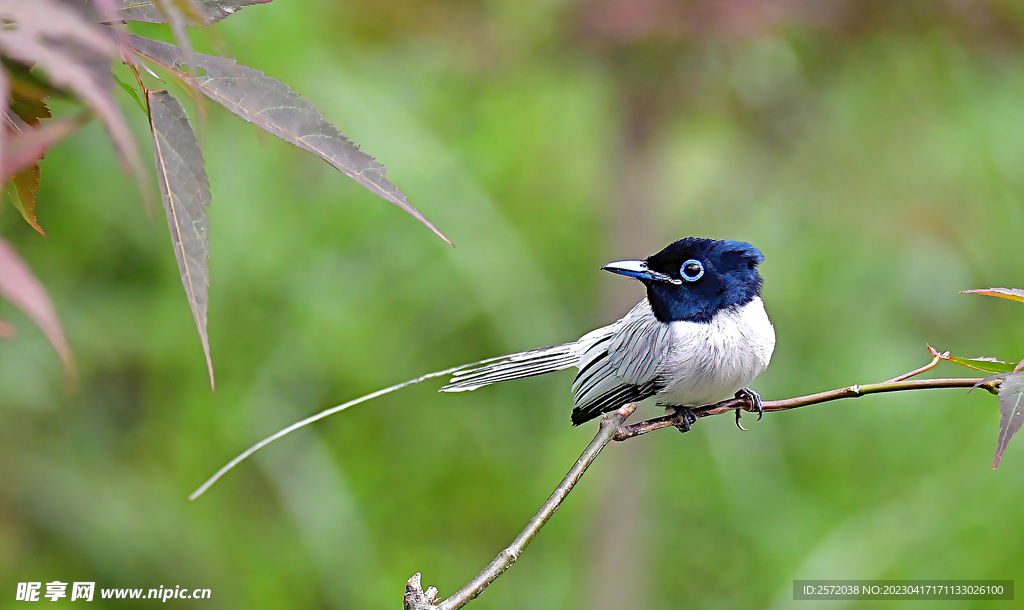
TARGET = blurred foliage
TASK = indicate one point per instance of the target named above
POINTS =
(870, 150)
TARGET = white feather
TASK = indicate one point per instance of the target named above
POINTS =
(708, 363)
(676, 363)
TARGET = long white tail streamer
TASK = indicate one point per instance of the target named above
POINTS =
(322, 414)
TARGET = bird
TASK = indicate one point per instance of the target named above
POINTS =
(700, 336)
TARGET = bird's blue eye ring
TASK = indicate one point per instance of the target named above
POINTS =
(692, 270)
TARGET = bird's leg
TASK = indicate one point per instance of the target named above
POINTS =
(688, 418)
(754, 400)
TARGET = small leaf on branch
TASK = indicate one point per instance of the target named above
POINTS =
(271, 105)
(1014, 294)
(24, 291)
(186, 195)
(989, 365)
(1011, 408)
(197, 12)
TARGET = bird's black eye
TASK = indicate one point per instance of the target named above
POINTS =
(692, 270)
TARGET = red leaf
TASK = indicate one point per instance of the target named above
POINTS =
(274, 107)
(1014, 294)
(1011, 408)
(23, 290)
(186, 194)
(197, 12)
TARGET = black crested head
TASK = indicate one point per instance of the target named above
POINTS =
(695, 278)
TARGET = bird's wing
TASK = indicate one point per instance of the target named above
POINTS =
(514, 366)
(621, 365)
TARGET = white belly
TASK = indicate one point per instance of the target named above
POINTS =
(708, 363)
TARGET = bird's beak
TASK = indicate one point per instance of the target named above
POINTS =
(639, 270)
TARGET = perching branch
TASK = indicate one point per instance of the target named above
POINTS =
(612, 429)
(853, 391)
(417, 599)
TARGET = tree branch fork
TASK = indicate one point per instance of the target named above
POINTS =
(612, 428)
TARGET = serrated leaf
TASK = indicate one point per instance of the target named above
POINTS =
(22, 191)
(1011, 408)
(26, 84)
(186, 194)
(75, 54)
(204, 12)
(23, 149)
(23, 290)
(1014, 294)
(989, 365)
(271, 105)
(178, 14)
(29, 106)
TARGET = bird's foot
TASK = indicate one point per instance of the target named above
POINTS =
(754, 400)
(688, 418)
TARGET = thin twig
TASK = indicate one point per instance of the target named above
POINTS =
(854, 391)
(610, 424)
(936, 356)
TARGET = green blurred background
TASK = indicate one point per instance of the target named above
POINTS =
(872, 150)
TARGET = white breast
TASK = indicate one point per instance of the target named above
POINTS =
(708, 363)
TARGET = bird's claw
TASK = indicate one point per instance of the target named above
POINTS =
(753, 400)
(688, 419)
